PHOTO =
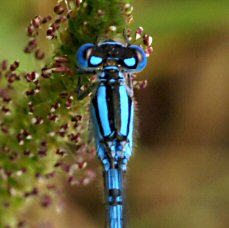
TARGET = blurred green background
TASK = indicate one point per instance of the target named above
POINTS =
(179, 176)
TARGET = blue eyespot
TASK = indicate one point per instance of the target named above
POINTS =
(83, 54)
(130, 62)
(95, 60)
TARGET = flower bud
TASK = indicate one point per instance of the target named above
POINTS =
(147, 40)
(14, 66)
(138, 33)
(36, 21)
(59, 9)
(148, 51)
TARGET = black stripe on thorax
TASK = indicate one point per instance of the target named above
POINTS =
(110, 106)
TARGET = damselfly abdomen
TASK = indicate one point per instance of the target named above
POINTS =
(112, 113)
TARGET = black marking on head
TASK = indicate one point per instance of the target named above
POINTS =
(112, 50)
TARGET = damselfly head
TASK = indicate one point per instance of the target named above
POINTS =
(92, 57)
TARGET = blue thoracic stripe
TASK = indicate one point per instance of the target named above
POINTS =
(98, 126)
(124, 110)
(131, 124)
(130, 121)
(103, 110)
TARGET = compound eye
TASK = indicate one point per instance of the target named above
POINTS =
(130, 62)
(140, 59)
(95, 60)
(83, 55)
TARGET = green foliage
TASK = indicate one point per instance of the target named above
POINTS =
(173, 18)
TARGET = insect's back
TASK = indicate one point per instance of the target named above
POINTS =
(112, 110)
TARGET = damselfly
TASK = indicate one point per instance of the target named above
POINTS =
(112, 114)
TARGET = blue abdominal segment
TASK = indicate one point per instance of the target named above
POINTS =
(114, 196)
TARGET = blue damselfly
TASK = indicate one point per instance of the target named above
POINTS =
(112, 114)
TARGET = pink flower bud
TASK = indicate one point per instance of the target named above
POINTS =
(32, 77)
(4, 65)
(30, 30)
(149, 51)
(59, 9)
(14, 66)
(36, 21)
(138, 33)
(147, 40)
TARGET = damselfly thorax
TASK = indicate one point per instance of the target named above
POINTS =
(112, 112)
